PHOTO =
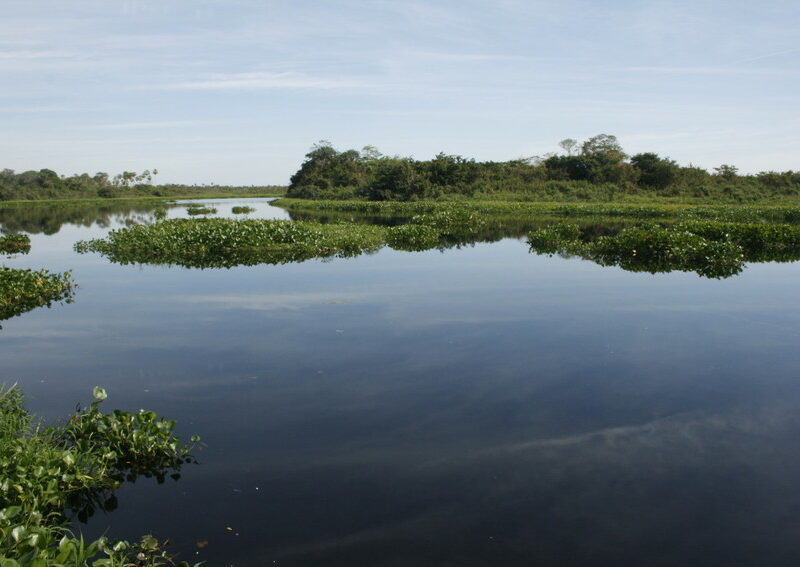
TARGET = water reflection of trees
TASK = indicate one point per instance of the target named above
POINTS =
(48, 218)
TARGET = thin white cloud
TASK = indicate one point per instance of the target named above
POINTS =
(145, 125)
(766, 56)
(264, 80)
(703, 70)
(36, 54)
(467, 57)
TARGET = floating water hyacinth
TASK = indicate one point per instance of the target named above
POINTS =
(708, 249)
(214, 243)
(22, 290)
(15, 244)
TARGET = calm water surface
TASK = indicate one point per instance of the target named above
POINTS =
(476, 406)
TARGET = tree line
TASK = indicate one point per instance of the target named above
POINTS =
(596, 169)
(47, 184)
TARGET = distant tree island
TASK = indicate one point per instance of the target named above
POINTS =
(47, 184)
(597, 170)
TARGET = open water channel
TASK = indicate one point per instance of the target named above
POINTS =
(479, 405)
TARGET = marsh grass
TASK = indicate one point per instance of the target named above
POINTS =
(49, 475)
(242, 210)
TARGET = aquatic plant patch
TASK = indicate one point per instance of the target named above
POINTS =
(227, 242)
(22, 290)
(49, 475)
(194, 210)
(241, 210)
(15, 244)
(412, 237)
(651, 248)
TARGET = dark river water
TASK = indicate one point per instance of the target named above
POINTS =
(480, 405)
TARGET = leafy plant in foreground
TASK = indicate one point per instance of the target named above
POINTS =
(50, 475)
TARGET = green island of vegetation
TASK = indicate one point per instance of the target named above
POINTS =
(22, 290)
(195, 210)
(596, 170)
(50, 476)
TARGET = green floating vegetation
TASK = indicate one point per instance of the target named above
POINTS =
(15, 244)
(51, 475)
(22, 290)
(223, 243)
(711, 249)
(759, 242)
(658, 249)
(241, 210)
(412, 237)
(195, 210)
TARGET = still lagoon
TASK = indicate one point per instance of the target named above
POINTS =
(477, 405)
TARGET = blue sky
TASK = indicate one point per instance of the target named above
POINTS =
(236, 91)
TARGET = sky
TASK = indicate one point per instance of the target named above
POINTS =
(237, 91)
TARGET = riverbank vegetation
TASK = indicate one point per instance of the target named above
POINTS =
(596, 170)
(47, 184)
(50, 476)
